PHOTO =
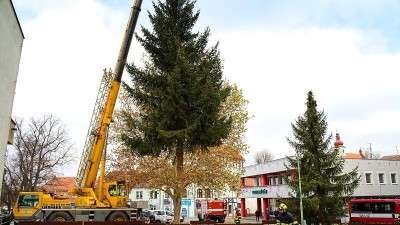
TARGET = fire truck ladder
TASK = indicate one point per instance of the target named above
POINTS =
(98, 109)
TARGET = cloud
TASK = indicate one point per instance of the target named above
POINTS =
(65, 50)
(276, 69)
(274, 50)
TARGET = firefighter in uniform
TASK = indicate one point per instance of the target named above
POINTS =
(284, 216)
(113, 192)
(237, 217)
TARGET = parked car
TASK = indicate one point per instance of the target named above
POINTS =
(163, 216)
(147, 216)
(5, 219)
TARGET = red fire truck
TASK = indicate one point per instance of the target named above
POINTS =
(374, 211)
(212, 210)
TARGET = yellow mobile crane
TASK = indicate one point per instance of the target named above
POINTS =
(107, 201)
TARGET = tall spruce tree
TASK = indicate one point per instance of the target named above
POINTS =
(325, 188)
(178, 91)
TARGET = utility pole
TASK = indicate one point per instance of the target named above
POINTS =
(300, 194)
(370, 150)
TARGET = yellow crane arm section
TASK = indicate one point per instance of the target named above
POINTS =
(97, 134)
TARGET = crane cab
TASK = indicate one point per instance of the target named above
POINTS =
(111, 195)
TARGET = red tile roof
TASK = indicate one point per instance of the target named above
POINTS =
(58, 185)
(353, 156)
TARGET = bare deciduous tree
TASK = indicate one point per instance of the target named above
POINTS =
(367, 153)
(40, 148)
(263, 156)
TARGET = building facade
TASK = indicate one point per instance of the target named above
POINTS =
(159, 200)
(263, 184)
(11, 40)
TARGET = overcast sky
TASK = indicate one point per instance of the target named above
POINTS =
(346, 52)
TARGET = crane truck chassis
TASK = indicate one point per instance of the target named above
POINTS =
(86, 202)
(36, 206)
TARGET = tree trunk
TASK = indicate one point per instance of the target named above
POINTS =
(178, 188)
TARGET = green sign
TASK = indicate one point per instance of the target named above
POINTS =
(257, 192)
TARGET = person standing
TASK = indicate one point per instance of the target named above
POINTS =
(285, 217)
(238, 217)
(113, 192)
(257, 215)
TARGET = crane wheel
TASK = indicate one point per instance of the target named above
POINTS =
(59, 217)
(118, 216)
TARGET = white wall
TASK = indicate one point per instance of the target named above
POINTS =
(11, 40)
(373, 166)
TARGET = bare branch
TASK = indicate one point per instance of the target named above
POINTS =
(263, 156)
(40, 148)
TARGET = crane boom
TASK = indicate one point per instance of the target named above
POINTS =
(102, 114)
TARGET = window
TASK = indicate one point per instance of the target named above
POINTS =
(153, 194)
(374, 207)
(393, 178)
(273, 180)
(361, 207)
(381, 178)
(286, 178)
(368, 177)
(280, 180)
(199, 193)
(159, 212)
(28, 200)
(258, 181)
(139, 194)
(207, 193)
(270, 180)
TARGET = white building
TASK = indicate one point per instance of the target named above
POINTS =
(263, 184)
(11, 39)
(160, 200)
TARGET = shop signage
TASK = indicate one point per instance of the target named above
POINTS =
(261, 191)
(186, 202)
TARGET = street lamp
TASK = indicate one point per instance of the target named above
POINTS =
(301, 199)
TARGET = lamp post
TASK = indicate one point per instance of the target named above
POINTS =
(301, 199)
